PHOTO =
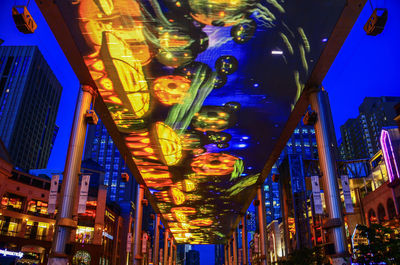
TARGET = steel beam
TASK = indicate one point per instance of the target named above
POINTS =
(244, 240)
(156, 240)
(137, 248)
(327, 153)
(65, 223)
(165, 251)
(262, 224)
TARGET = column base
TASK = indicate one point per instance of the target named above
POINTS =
(57, 261)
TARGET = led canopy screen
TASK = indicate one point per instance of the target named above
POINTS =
(200, 91)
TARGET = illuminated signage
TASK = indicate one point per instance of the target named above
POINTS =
(391, 157)
(108, 235)
(6, 252)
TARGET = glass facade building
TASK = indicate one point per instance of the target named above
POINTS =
(29, 98)
(101, 149)
(360, 136)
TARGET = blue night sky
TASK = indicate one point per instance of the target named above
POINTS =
(366, 66)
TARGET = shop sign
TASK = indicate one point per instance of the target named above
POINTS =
(347, 194)
(108, 235)
(256, 243)
(53, 193)
(316, 190)
(129, 243)
(83, 194)
(6, 252)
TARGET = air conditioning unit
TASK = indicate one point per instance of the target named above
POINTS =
(91, 117)
(23, 19)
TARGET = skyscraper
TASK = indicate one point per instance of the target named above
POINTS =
(193, 257)
(101, 148)
(360, 136)
(29, 98)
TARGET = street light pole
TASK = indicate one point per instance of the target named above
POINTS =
(70, 182)
(326, 144)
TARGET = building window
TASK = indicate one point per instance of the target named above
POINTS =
(9, 226)
(37, 207)
(12, 202)
(84, 234)
(36, 230)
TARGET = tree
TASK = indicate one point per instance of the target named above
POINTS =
(306, 256)
(383, 245)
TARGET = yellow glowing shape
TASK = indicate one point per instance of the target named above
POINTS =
(214, 164)
(201, 222)
(130, 74)
(106, 84)
(107, 6)
(178, 197)
(171, 89)
(180, 216)
(189, 185)
(169, 143)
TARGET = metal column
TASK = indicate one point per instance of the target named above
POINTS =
(327, 151)
(171, 251)
(235, 249)
(244, 240)
(65, 223)
(229, 252)
(261, 224)
(156, 240)
(226, 255)
(165, 251)
(137, 248)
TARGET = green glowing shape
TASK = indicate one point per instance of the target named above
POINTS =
(238, 168)
(244, 183)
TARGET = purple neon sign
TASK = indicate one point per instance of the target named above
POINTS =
(389, 156)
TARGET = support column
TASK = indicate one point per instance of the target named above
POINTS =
(175, 255)
(226, 255)
(165, 251)
(244, 240)
(171, 249)
(137, 247)
(235, 250)
(156, 240)
(229, 252)
(261, 224)
(327, 151)
(65, 223)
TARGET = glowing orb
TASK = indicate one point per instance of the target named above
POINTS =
(201, 222)
(220, 81)
(168, 143)
(226, 65)
(177, 196)
(220, 13)
(243, 32)
(171, 89)
(212, 118)
(214, 164)
(175, 48)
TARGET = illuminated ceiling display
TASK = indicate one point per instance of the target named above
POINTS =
(200, 91)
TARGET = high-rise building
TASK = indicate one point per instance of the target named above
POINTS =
(360, 136)
(101, 148)
(219, 254)
(29, 98)
(193, 257)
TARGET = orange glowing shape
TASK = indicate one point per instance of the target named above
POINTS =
(132, 84)
(214, 164)
(168, 143)
(177, 196)
(171, 89)
(201, 222)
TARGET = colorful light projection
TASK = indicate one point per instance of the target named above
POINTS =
(152, 62)
(392, 159)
